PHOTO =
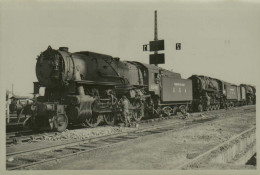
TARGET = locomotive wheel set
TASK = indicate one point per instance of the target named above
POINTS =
(86, 88)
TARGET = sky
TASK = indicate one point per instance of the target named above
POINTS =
(220, 39)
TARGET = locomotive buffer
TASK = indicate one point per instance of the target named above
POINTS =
(155, 46)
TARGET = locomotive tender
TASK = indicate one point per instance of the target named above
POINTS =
(86, 88)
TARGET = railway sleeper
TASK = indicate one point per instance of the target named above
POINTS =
(79, 148)
(29, 160)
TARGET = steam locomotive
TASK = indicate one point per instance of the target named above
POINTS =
(220, 94)
(86, 88)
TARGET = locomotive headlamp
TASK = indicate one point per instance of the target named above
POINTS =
(55, 63)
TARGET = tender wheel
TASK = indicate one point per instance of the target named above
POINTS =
(183, 109)
(109, 119)
(61, 123)
(93, 120)
(200, 108)
(167, 110)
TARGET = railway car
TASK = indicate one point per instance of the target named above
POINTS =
(230, 93)
(254, 96)
(86, 88)
(241, 95)
(250, 94)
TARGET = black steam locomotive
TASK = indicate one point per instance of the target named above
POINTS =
(86, 88)
(213, 94)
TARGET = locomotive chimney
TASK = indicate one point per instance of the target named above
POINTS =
(65, 49)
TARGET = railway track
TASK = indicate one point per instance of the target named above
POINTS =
(30, 136)
(25, 136)
(28, 158)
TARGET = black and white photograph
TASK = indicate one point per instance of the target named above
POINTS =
(129, 85)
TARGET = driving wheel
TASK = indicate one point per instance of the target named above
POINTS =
(93, 120)
(183, 109)
(109, 119)
(167, 110)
